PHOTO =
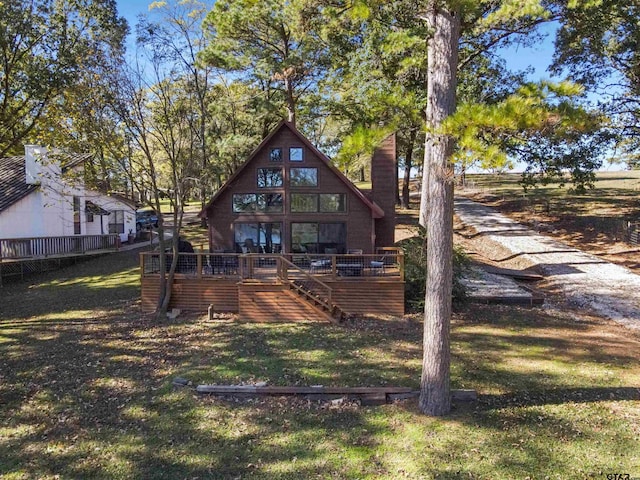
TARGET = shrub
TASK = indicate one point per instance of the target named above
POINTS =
(415, 268)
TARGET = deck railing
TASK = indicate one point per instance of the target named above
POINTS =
(43, 247)
(388, 263)
(305, 284)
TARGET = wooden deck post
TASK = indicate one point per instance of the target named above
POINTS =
(199, 264)
(141, 265)
(334, 268)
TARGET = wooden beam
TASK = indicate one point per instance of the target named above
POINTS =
(273, 390)
(368, 395)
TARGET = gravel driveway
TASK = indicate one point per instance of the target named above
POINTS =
(586, 280)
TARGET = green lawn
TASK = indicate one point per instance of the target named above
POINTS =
(613, 194)
(85, 392)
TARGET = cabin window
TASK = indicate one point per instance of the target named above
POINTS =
(303, 177)
(314, 237)
(244, 202)
(76, 216)
(304, 202)
(275, 155)
(269, 202)
(258, 237)
(333, 202)
(295, 154)
(270, 177)
(261, 202)
(314, 202)
(116, 221)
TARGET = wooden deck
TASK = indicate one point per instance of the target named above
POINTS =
(23, 256)
(290, 287)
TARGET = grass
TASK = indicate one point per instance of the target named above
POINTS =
(614, 194)
(85, 392)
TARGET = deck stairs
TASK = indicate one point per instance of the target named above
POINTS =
(304, 287)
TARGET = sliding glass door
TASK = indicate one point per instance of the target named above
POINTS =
(258, 237)
(317, 237)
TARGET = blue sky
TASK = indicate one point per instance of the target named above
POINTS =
(518, 58)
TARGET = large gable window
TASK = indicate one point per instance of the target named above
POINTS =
(333, 202)
(244, 202)
(260, 202)
(258, 237)
(322, 202)
(269, 177)
(318, 237)
(303, 177)
(269, 202)
(304, 202)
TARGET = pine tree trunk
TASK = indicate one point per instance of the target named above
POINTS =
(424, 187)
(443, 60)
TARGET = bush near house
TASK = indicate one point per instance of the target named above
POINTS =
(416, 271)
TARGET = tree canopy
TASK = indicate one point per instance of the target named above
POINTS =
(46, 48)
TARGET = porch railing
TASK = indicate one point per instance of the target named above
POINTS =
(42, 247)
(388, 263)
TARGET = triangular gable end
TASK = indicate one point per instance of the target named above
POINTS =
(376, 211)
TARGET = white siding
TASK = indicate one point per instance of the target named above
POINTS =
(37, 215)
(51, 215)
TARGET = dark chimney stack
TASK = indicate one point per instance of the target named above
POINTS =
(383, 188)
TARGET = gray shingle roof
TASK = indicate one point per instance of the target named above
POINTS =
(13, 184)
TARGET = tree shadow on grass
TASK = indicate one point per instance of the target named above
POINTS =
(558, 396)
(98, 282)
(93, 398)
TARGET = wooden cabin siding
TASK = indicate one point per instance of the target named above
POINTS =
(275, 303)
(193, 294)
(369, 297)
(358, 217)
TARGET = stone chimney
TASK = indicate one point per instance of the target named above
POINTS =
(383, 188)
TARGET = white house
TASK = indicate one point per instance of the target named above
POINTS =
(43, 195)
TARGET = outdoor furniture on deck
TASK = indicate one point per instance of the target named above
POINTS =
(377, 267)
(320, 266)
(351, 269)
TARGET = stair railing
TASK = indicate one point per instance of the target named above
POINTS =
(305, 284)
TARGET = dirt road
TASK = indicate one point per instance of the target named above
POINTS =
(586, 281)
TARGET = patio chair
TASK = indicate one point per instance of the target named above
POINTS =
(377, 266)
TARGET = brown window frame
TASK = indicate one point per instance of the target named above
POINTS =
(301, 152)
(317, 179)
(257, 203)
(280, 169)
(271, 159)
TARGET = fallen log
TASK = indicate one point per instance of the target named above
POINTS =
(367, 395)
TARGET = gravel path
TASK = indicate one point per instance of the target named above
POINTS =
(586, 280)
